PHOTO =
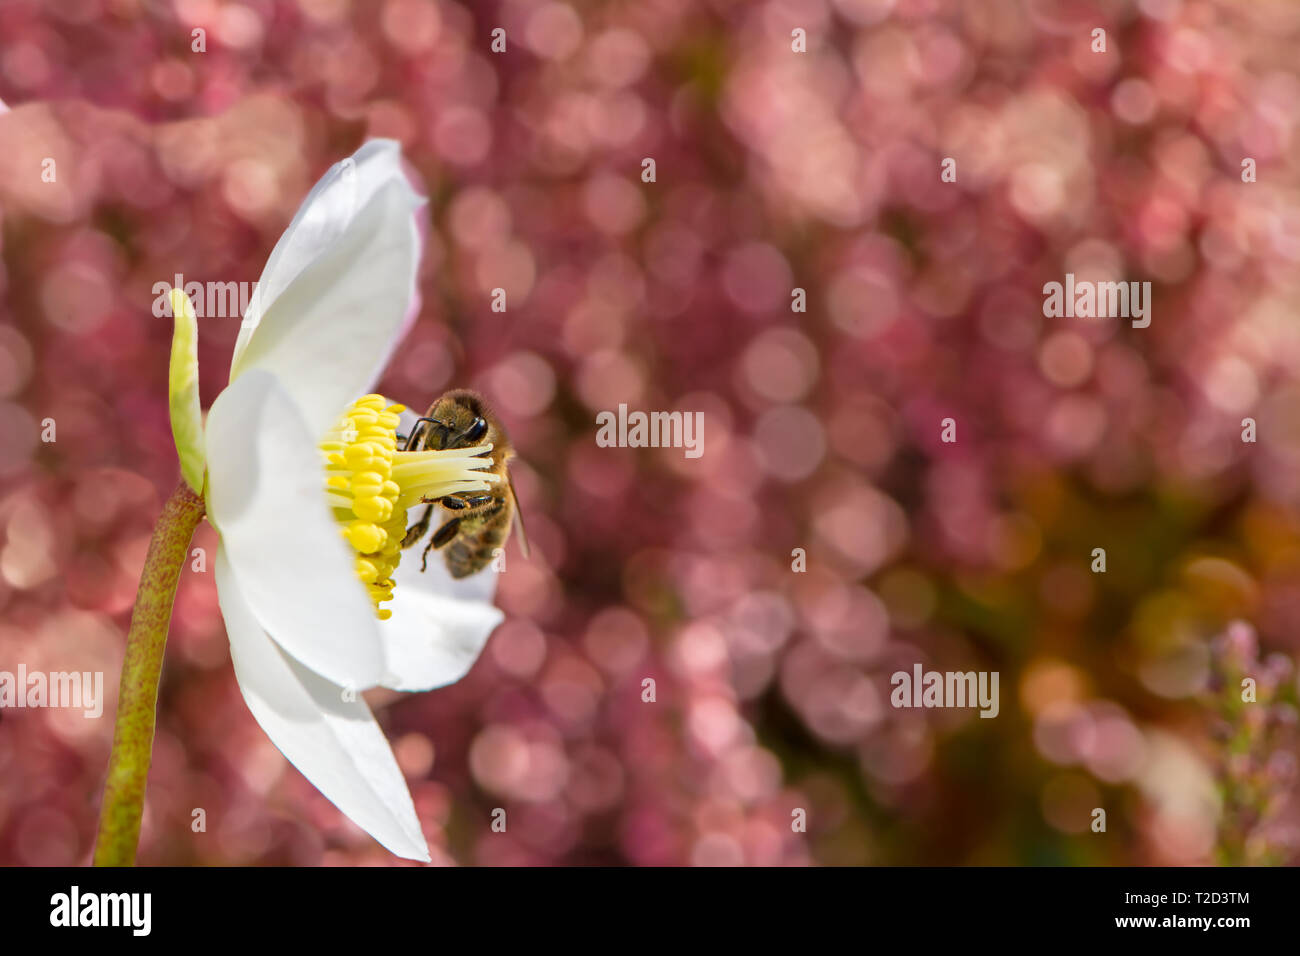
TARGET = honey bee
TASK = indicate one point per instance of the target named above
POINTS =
(480, 521)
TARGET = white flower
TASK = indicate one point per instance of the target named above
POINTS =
(305, 633)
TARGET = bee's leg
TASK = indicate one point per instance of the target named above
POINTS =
(417, 530)
(465, 500)
(445, 533)
(440, 537)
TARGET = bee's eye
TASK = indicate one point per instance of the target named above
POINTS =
(476, 431)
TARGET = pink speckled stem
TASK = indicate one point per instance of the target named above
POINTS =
(128, 765)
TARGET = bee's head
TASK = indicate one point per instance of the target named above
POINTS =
(457, 420)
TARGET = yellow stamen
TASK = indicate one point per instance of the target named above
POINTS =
(370, 485)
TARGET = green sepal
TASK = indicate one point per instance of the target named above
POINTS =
(183, 392)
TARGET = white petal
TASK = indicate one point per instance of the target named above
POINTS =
(324, 215)
(439, 624)
(335, 743)
(328, 334)
(266, 498)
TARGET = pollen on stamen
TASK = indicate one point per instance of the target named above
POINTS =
(369, 484)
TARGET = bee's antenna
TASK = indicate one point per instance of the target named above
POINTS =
(415, 430)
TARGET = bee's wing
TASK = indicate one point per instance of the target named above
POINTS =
(519, 520)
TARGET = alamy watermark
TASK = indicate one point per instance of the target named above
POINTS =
(946, 689)
(75, 908)
(1098, 300)
(683, 430)
(216, 300)
(73, 689)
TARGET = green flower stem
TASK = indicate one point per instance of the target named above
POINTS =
(128, 765)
